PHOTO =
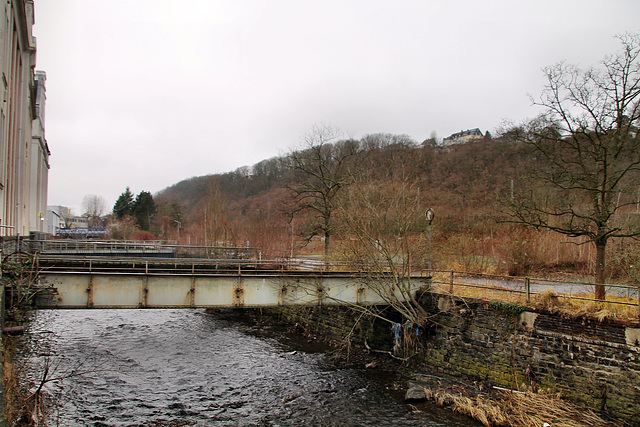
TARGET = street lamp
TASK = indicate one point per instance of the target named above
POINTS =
(430, 216)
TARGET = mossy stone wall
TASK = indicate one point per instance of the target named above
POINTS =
(339, 325)
(592, 363)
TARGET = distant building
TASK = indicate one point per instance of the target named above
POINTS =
(463, 136)
(61, 222)
(53, 222)
(24, 155)
(57, 218)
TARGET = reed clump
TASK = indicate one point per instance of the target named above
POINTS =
(549, 300)
(510, 409)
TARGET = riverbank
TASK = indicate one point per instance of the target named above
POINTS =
(24, 402)
(580, 377)
(3, 398)
(502, 407)
(190, 347)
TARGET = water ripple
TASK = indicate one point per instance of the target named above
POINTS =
(155, 367)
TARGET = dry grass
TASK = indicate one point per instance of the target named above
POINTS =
(549, 299)
(518, 409)
(573, 304)
(504, 295)
(611, 309)
(23, 406)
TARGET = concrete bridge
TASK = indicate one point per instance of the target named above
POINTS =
(125, 283)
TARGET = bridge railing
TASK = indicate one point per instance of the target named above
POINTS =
(140, 249)
(151, 265)
(622, 299)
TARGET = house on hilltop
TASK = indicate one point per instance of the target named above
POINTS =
(463, 136)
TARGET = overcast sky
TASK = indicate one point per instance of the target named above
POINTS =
(145, 93)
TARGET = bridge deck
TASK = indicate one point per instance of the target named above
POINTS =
(140, 284)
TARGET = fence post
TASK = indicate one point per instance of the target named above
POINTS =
(451, 283)
(2, 295)
(527, 285)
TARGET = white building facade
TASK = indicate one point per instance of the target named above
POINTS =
(39, 176)
(24, 154)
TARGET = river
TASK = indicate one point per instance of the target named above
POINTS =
(196, 368)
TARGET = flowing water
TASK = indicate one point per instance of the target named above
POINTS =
(192, 367)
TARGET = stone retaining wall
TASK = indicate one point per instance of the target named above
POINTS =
(592, 363)
(339, 325)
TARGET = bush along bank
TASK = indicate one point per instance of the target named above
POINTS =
(24, 402)
(486, 358)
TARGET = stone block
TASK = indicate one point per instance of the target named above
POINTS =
(632, 336)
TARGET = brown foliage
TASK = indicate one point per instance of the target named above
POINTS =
(460, 183)
(144, 236)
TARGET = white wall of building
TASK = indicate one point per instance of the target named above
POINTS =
(24, 155)
(38, 183)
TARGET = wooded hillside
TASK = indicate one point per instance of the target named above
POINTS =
(463, 184)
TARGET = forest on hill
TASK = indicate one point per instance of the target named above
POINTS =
(558, 192)
(386, 184)
(257, 203)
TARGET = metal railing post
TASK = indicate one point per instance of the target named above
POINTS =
(527, 285)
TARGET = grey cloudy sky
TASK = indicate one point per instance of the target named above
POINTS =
(146, 93)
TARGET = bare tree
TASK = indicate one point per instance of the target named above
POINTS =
(588, 145)
(322, 170)
(95, 207)
(385, 227)
(124, 228)
(214, 212)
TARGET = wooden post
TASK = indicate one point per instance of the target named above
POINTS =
(527, 285)
(451, 283)
(1, 300)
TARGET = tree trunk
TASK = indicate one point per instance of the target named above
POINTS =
(327, 235)
(326, 246)
(600, 264)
